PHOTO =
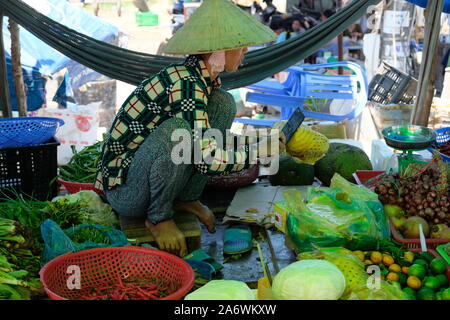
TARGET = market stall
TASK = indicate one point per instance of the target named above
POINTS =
(324, 225)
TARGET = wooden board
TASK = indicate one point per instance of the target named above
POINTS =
(186, 222)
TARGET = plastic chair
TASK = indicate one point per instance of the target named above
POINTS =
(302, 84)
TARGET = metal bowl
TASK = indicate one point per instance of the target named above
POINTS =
(409, 137)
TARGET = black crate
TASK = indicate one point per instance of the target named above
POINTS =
(30, 170)
(392, 86)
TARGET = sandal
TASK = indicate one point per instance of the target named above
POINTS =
(205, 270)
(237, 239)
(200, 255)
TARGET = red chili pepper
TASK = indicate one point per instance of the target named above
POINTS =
(120, 282)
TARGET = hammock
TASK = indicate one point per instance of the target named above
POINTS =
(133, 67)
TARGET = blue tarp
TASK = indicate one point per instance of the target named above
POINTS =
(423, 4)
(40, 60)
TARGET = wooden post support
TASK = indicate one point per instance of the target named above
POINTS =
(4, 88)
(17, 68)
(425, 86)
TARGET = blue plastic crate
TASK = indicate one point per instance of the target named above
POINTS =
(27, 131)
(443, 135)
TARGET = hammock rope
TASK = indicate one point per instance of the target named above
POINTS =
(133, 67)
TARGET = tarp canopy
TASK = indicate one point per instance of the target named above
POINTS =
(133, 67)
(39, 59)
(424, 3)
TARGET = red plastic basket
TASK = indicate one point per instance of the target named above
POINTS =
(436, 255)
(362, 176)
(106, 264)
(74, 187)
(415, 243)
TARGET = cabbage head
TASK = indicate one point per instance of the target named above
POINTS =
(309, 280)
(222, 290)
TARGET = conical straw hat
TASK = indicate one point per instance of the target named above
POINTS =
(218, 25)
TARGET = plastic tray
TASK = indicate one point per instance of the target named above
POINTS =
(30, 170)
(444, 255)
(146, 19)
(362, 176)
(390, 85)
(107, 264)
(415, 243)
(27, 131)
(74, 187)
(443, 135)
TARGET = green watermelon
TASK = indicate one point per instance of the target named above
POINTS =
(292, 173)
(341, 158)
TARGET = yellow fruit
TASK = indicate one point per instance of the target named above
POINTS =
(352, 269)
(409, 256)
(392, 276)
(395, 268)
(359, 254)
(307, 145)
(387, 260)
(376, 257)
(368, 262)
(405, 270)
(413, 282)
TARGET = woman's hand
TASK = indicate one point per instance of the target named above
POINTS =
(168, 237)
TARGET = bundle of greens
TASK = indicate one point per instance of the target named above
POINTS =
(97, 211)
(20, 221)
(17, 284)
(89, 235)
(31, 213)
(16, 250)
(82, 167)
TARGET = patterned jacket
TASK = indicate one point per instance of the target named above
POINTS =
(176, 91)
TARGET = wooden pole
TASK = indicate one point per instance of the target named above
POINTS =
(4, 87)
(17, 68)
(425, 86)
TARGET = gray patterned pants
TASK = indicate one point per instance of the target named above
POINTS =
(154, 181)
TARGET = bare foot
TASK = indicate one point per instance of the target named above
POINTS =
(201, 211)
(168, 237)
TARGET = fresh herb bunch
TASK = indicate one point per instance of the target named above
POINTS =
(89, 234)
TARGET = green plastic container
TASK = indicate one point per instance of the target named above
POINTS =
(146, 19)
(444, 255)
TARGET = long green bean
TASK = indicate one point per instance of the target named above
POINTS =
(82, 167)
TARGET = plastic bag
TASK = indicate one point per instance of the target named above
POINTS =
(361, 193)
(381, 154)
(222, 290)
(58, 241)
(80, 128)
(386, 291)
(333, 218)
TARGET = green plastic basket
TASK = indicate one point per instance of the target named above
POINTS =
(444, 255)
(146, 19)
